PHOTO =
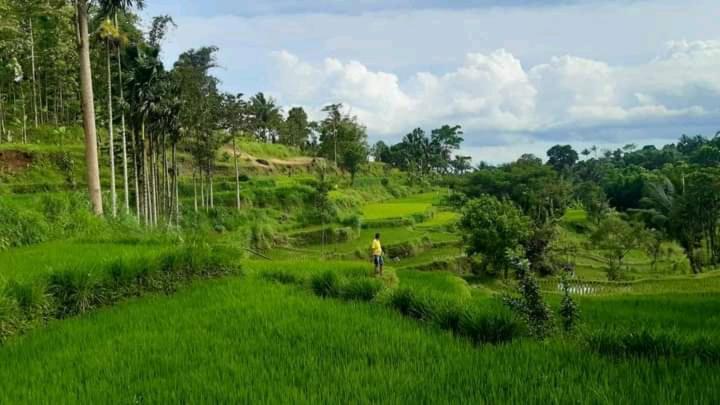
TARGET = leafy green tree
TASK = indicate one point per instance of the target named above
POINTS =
(706, 155)
(615, 238)
(696, 215)
(340, 132)
(593, 200)
(296, 129)
(352, 158)
(562, 157)
(536, 188)
(491, 227)
(381, 152)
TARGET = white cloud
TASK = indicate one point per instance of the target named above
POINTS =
(493, 93)
(570, 72)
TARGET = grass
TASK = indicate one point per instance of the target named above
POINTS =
(400, 208)
(28, 262)
(442, 283)
(267, 150)
(246, 340)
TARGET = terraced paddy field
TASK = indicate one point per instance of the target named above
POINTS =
(305, 327)
(27, 263)
(244, 339)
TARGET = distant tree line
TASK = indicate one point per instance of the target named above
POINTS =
(636, 197)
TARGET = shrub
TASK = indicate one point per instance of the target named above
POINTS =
(10, 317)
(281, 276)
(529, 302)
(412, 304)
(353, 222)
(20, 227)
(568, 308)
(652, 344)
(363, 289)
(261, 236)
(326, 284)
(495, 327)
(32, 299)
(73, 292)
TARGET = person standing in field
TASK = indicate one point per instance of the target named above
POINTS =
(377, 254)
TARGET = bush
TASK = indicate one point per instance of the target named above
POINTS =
(21, 227)
(326, 284)
(73, 292)
(412, 304)
(529, 302)
(281, 276)
(10, 317)
(496, 327)
(481, 326)
(652, 344)
(32, 299)
(568, 308)
(364, 289)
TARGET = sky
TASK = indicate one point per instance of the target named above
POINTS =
(518, 75)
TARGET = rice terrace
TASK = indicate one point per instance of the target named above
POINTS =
(238, 202)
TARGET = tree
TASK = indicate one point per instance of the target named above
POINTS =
(695, 217)
(88, 107)
(537, 189)
(296, 129)
(109, 33)
(340, 133)
(443, 142)
(491, 227)
(352, 158)
(529, 302)
(235, 117)
(562, 157)
(615, 238)
(381, 152)
(593, 200)
(461, 164)
(653, 247)
(266, 117)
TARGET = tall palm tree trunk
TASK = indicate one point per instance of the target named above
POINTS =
(32, 65)
(176, 173)
(136, 174)
(113, 193)
(146, 187)
(195, 194)
(122, 126)
(237, 176)
(88, 107)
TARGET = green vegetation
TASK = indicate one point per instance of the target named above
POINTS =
(221, 250)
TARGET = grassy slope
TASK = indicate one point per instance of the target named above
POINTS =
(27, 262)
(242, 340)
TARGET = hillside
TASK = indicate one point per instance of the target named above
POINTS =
(303, 319)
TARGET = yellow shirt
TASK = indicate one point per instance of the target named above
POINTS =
(376, 248)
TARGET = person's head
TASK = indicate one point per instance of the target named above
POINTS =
(377, 236)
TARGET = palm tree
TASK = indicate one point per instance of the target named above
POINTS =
(266, 116)
(144, 98)
(110, 8)
(109, 33)
(88, 107)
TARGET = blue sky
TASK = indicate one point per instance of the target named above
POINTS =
(518, 75)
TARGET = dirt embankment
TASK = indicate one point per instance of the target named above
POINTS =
(274, 164)
(12, 161)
